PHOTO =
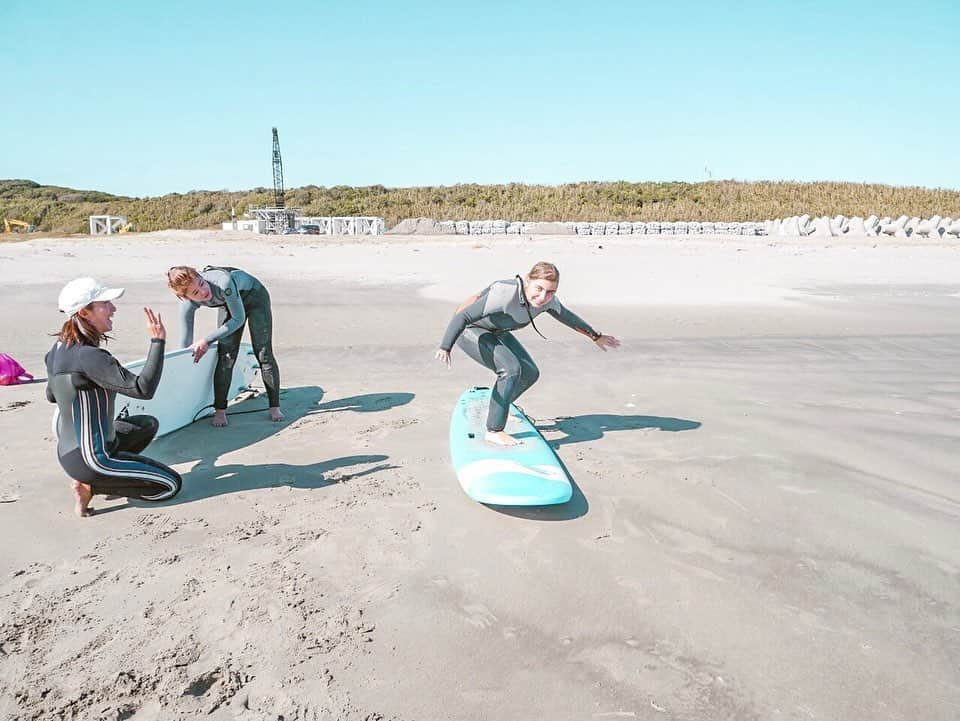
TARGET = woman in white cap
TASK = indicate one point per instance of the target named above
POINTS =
(83, 379)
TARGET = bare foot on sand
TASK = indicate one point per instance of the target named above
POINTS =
(219, 419)
(83, 494)
(501, 438)
(275, 415)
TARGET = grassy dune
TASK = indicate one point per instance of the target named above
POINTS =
(65, 210)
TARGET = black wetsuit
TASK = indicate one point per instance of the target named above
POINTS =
(482, 330)
(94, 448)
(238, 297)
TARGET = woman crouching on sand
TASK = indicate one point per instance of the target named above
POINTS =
(482, 325)
(237, 296)
(83, 379)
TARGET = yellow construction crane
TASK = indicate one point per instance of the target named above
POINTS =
(17, 226)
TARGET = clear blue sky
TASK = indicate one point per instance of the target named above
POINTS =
(150, 98)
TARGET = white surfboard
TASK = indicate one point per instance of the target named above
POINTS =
(185, 393)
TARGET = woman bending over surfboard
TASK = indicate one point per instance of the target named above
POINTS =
(482, 325)
(83, 379)
(238, 297)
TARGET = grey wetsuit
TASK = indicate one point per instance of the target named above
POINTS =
(482, 330)
(94, 448)
(238, 297)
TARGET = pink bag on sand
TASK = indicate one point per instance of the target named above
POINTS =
(11, 372)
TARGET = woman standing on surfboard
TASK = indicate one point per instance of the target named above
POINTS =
(481, 327)
(83, 379)
(238, 296)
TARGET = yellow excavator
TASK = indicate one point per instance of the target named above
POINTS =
(128, 228)
(17, 226)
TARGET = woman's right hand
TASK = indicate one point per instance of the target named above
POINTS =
(199, 349)
(443, 356)
(155, 325)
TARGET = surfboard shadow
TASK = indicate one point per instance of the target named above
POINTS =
(593, 426)
(206, 481)
(576, 507)
(248, 425)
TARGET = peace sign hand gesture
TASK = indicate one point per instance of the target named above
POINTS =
(155, 325)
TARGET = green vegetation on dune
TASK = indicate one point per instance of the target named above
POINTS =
(64, 210)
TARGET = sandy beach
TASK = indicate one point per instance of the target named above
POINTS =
(765, 519)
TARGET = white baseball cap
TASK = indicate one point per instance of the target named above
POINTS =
(81, 292)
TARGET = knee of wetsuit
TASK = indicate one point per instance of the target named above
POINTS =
(511, 371)
(265, 356)
(532, 374)
(228, 359)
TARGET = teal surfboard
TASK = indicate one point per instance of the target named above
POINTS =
(529, 474)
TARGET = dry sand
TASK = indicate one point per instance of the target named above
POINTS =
(765, 523)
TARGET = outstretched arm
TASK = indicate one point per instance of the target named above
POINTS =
(470, 311)
(572, 320)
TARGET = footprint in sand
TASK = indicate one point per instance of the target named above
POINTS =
(479, 615)
(629, 582)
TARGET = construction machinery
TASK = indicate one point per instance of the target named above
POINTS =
(17, 226)
(278, 199)
(128, 228)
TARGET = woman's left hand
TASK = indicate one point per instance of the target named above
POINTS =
(607, 341)
(155, 325)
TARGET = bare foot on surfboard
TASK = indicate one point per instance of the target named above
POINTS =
(83, 494)
(276, 415)
(501, 438)
(219, 419)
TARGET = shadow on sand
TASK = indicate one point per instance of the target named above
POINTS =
(249, 425)
(213, 480)
(593, 426)
(577, 429)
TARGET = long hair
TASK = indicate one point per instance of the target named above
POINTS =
(78, 331)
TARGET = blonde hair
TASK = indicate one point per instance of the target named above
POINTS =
(544, 271)
(180, 278)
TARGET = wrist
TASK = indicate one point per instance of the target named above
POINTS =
(596, 336)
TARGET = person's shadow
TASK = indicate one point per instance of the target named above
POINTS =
(367, 403)
(576, 429)
(213, 480)
(249, 425)
(593, 426)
